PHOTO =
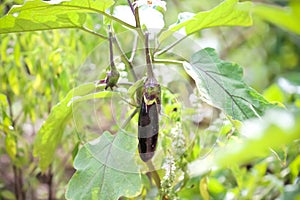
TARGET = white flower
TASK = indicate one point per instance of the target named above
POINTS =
(150, 3)
(169, 167)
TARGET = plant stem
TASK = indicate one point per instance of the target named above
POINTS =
(16, 185)
(134, 48)
(154, 174)
(150, 74)
(168, 61)
(20, 195)
(137, 17)
(169, 47)
(111, 53)
(20, 176)
(93, 32)
(125, 59)
(118, 20)
(129, 118)
(131, 6)
(50, 183)
(138, 22)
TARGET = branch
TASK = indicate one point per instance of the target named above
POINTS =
(137, 17)
(129, 118)
(167, 61)
(170, 46)
(125, 59)
(93, 32)
(111, 53)
(134, 48)
(131, 6)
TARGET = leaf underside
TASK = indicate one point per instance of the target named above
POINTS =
(220, 84)
(106, 169)
(39, 15)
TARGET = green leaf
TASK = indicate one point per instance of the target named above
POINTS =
(220, 84)
(275, 129)
(11, 145)
(228, 13)
(3, 100)
(6, 194)
(204, 188)
(13, 80)
(295, 168)
(274, 93)
(50, 133)
(106, 169)
(44, 15)
(285, 17)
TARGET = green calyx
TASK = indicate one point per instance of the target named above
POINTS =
(152, 92)
(112, 78)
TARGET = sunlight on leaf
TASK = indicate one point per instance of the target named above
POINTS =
(38, 15)
(286, 17)
(274, 93)
(228, 13)
(221, 84)
(106, 169)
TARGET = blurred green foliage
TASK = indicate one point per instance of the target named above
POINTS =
(223, 159)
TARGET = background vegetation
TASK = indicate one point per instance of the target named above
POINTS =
(204, 152)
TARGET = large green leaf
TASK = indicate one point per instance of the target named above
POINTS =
(228, 13)
(274, 130)
(286, 17)
(221, 84)
(106, 169)
(37, 15)
(49, 135)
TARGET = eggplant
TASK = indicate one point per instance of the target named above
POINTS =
(148, 122)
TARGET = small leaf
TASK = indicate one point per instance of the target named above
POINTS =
(3, 100)
(214, 186)
(295, 168)
(204, 188)
(11, 145)
(220, 84)
(44, 15)
(106, 169)
(14, 81)
(228, 13)
(6, 194)
(51, 131)
(136, 91)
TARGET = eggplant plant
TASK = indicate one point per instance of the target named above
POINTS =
(152, 115)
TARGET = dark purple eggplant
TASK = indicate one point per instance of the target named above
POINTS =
(148, 128)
